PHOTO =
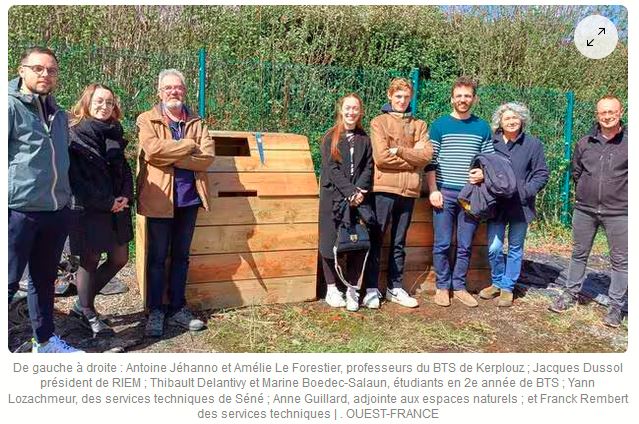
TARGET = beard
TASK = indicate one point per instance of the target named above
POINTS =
(40, 89)
(173, 104)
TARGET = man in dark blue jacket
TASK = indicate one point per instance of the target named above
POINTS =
(39, 190)
(600, 172)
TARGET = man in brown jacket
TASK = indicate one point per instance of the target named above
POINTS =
(400, 150)
(175, 151)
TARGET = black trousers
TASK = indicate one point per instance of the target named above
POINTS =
(397, 211)
(36, 239)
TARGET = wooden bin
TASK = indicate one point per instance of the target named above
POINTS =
(258, 244)
(418, 268)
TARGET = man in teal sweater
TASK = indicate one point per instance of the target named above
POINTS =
(456, 139)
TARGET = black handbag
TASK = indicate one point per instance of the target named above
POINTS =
(352, 234)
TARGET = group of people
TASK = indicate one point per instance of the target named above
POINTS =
(474, 171)
(69, 177)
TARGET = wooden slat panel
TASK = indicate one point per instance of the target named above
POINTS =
(256, 265)
(253, 210)
(422, 212)
(229, 294)
(271, 141)
(274, 161)
(265, 183)
(254, 238)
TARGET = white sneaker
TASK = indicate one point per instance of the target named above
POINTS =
(334, 297)
(400, 296)
(352, 299)
(371, 299)
(54, 345)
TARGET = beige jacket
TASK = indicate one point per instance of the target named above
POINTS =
(399, 173)
(158, 154)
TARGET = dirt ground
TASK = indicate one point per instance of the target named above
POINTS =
(315, 327)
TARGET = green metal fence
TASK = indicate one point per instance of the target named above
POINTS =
(285, 97)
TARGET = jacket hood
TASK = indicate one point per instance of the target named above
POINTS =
(14, 87)
(387, 108)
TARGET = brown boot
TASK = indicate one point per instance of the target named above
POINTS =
(489, 292)
(505, 299)
(442, 297)
(466, 298)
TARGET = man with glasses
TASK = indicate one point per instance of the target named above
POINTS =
(39, 191)
(600, 172)
(175, 150)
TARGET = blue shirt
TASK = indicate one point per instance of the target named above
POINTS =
(455, 144)
(185, 192)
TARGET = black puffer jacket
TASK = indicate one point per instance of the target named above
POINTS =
(600, 172)
(99, 173)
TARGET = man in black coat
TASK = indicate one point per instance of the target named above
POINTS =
(600, 172)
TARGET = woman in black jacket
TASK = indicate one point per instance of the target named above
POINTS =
(102, 186)
(347, 166)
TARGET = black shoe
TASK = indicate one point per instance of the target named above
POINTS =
(563, 302)
(613, 317)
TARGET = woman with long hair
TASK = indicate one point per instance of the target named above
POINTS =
(346, 177)
(102, 185)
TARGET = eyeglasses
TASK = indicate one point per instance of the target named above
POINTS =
(169, 88)
(101, 102)
(39, 70)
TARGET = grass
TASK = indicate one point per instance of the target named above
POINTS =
(317, 328)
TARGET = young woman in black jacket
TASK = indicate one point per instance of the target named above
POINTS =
(102, 185)
(346, 175)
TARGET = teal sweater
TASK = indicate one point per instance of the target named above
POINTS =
(455, 144)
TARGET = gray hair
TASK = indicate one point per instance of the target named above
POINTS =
(518, 108)
(167, 72)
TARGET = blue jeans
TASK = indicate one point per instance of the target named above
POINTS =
(172, 235)
(444, 221)
(506, 273)
(36, 239)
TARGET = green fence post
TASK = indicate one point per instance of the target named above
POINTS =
(202, 93)
(414, 75)
(565, 192)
